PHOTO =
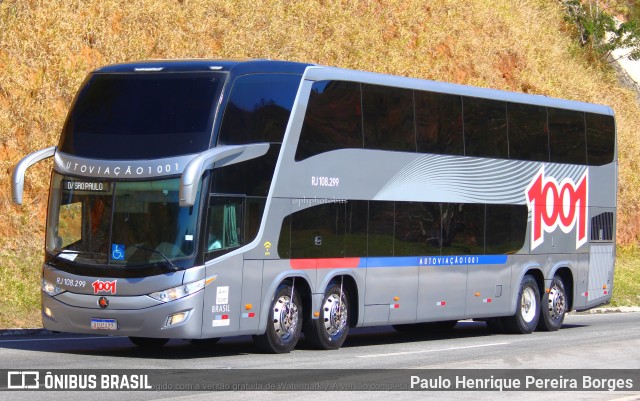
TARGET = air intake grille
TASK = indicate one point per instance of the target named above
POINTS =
(602, 227)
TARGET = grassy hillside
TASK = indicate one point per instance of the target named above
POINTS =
(47, 47)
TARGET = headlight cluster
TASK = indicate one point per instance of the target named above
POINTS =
(181, 291)
(51, 288)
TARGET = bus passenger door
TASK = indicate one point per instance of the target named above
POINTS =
(224, 233)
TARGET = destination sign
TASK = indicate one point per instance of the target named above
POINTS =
(91, 186)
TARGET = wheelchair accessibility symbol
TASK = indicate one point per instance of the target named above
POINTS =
(117, 252)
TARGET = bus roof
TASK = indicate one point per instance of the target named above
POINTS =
(317, 72)
(239, 67)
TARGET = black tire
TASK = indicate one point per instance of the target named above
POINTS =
(148, 342)
(495, 325)
(525, 320)
(330, 330)
(553, 306)
(284, 323)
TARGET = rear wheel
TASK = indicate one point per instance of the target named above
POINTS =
(553, 306)
(330, 330)
(495, 325)
(148, 342)
(527, 313)
(285, 322)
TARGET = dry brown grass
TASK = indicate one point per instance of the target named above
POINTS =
(47, 47)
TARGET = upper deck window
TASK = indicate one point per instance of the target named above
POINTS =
(333, 120)
(259, 108)
(142, 115)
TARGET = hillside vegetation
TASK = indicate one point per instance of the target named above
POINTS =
(47, 47)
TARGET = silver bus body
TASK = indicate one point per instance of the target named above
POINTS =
(408, 237)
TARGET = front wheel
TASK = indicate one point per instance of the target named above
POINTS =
(527, 313)
(284, 324)
(553, 306)
(331, 328)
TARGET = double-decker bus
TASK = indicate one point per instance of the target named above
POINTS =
(200, 199)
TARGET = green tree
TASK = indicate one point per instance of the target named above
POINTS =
(600, 32)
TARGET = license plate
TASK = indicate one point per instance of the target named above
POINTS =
(104, 324)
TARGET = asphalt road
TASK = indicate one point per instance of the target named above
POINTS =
(593, 341)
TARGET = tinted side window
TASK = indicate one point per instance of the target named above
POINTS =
(567, 136)
(485, 127)
(601, 138)
(254, 211)
(284, 242)
(258, 109)
(388, 118)
(355, 244)
(318, 232)
(381, 221)
(333, 119)
(528, 132)
(417, 229)
(252, 177)
(506, 227)
(462, 229)
(439, 123)
(225, 226)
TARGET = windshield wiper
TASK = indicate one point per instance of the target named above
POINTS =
(71, 252)
(173, 267)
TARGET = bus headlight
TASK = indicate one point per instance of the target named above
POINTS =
(50, 288)
(181, 291)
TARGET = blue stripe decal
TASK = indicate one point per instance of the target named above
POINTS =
(434, 261)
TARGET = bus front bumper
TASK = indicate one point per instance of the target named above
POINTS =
(181, 318)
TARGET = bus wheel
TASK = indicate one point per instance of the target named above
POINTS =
(330, 330)
(495, 325)
(284, 324)
(553, 306)
(148, 342)
(527, 310)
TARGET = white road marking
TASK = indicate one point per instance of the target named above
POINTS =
(431, 350)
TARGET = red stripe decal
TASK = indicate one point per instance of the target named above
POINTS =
(327, 263)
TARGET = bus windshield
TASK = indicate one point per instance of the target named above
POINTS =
(156, 115)
(119, 223)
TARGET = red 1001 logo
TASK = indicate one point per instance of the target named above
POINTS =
(104, 286)
(554, 205)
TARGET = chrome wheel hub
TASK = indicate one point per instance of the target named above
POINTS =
(557, 303)
(285, 317)
(528, 305)
(334, 315)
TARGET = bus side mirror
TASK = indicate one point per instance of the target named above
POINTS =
(17, 180)
(218, 156)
